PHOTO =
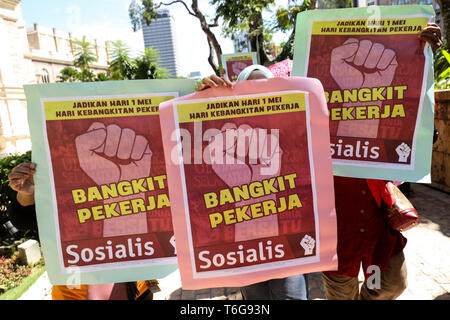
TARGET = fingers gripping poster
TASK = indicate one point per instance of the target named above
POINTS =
(378, 84)
(101, 187)
(246, 191)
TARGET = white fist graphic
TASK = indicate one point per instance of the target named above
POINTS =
(172, 242)
(308, 244)
(362, 64)
(403, 151)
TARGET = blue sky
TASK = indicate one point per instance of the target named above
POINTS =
(108, 20)
(66, 14)
(95, 18)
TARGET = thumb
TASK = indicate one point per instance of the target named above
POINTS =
(90, 140)
(345, 51)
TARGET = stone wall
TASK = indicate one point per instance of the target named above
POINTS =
(15, 71)
(440, 166)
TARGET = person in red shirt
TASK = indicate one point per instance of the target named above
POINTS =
(365, 237)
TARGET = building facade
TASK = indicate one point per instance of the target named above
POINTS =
(52, 50)
(161, 35)
(31, 56)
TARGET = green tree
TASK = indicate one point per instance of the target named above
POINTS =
(329, 4)
(84, 56)
(285, 21)
(102, 76)
(86, 75)
(68, 74)
(442, 68)
(121, 65)
(146, 66)
(84, 53)
(440, 60)
(246, 16)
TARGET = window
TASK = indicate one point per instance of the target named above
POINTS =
(45, 76)
(372, 3)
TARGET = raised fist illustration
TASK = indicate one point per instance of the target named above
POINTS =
(308, 244)
(403, 151)
(362, 64)
(243, 155)
(237, 67)
(109, 154)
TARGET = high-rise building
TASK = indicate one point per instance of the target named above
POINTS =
(160, 35)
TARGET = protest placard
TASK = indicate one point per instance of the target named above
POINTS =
(101, 189)
(250, 178)
(378, 82)
(234, 63)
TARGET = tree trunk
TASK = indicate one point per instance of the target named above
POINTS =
(213, 44)
(257, 38)
(445, 12)
(288, 49)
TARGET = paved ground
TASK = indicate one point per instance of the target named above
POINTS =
(427, 255)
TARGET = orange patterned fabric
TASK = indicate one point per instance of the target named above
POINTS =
(64, 293)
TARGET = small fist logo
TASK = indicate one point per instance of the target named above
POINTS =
(403, 151)
(172, 242)
(308, 244)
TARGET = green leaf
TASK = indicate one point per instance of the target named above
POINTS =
(444, 74)
(446, 55)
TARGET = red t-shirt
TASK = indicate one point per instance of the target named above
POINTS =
(364, 234)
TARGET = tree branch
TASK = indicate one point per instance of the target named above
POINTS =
(176, 1)
(215, 23)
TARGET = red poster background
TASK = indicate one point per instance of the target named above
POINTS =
(391, 131)
(292, 225)
(69, 176)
